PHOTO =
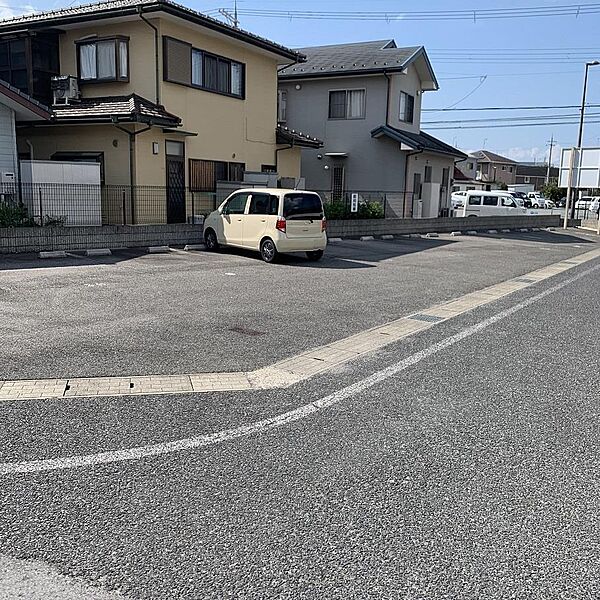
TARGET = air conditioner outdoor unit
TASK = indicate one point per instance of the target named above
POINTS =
(65, 89)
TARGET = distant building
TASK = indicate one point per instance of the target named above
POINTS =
(535, 174)
(462, 183)
(491, 168)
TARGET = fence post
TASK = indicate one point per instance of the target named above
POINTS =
(124, 209)
(41, 212)
(193, 211)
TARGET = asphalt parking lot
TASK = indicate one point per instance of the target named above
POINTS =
(456, 463)
(140, 314)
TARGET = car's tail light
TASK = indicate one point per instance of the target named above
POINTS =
(280, 225)
(323, 225)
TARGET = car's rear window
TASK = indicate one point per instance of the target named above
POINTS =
(302, 206)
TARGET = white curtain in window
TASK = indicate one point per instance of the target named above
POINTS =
(123, 63)
(356, 104)
(197, 78)
(106, 60)
(87, 61)
(236, 79)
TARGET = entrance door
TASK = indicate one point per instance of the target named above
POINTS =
(175, 152)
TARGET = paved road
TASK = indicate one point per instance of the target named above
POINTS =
(470, 474)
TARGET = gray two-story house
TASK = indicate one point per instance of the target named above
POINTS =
(364, 99)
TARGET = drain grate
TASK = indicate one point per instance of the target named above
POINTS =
(428, 318)
(246, 331)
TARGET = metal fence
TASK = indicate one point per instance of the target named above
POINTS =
(367, 204)
(53, 204)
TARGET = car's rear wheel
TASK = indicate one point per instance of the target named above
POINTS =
(536, 205)
(268, 251)
(210, 241)
(314, 255)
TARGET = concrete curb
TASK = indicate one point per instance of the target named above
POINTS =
(158, 249)
(53, 254)
(334, 240)
(387, 237)
(456, 233)
(432, 235)
(98, 252)
(366, 238)
(189, 247)
(492, 231)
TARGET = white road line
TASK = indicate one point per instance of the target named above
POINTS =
(199, 441)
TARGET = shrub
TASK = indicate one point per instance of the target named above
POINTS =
(370, 210)
(335, 210)
(14, 215)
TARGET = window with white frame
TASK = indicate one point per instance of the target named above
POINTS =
(105, 59)
(407, 107)
(347, 104)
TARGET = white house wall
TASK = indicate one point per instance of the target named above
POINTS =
(8, 141)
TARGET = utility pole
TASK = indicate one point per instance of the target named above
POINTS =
(549, 160)
(231, 18)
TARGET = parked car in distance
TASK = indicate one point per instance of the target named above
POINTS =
(520, 196)
(585, 202)
(489, 204)
(270, 221)
(457, 199)
(537, 200)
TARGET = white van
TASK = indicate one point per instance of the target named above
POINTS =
(490, 204)
(270, 221)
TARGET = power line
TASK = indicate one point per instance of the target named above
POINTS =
(504, 125)
(474, 15)
(482, 108)
(511, 119)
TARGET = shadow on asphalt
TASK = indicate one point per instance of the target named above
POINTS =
(75, 258)
(349, 254)
(543, 237)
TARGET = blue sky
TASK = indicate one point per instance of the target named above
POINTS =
(518, 82)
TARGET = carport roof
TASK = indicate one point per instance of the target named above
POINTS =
(417, 141)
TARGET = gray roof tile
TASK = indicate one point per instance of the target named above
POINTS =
(380, 55)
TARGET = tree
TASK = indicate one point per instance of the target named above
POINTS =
(553, 192)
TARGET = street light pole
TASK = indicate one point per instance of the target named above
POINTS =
(581, 117)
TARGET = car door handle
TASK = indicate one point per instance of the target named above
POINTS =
(263, 220)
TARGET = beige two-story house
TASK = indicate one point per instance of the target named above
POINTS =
(169, 102)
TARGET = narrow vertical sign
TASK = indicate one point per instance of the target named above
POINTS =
(354, 203)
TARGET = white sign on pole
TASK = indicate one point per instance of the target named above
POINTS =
(586, 168)
(354, 203)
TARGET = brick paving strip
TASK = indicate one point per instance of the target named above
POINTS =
(291, 370)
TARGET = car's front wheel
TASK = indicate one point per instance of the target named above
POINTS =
(210, 241)
(268, 251)
(536, 205)
(314, 255)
